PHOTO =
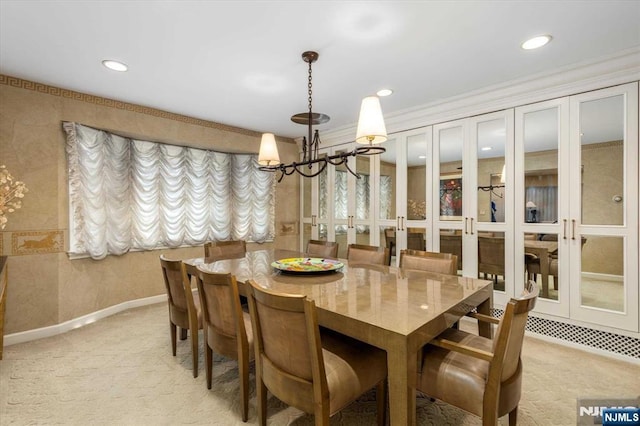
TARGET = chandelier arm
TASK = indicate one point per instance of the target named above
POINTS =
(323, 166)
(336, 160)
(369, 150)
(346, 164)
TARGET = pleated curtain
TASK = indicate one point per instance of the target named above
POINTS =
(127, 194)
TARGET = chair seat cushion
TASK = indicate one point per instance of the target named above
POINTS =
(349, 361)
(453, 377)
(460, 379)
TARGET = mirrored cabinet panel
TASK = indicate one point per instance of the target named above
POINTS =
(451, 143)
(491, 170)
(602, 169)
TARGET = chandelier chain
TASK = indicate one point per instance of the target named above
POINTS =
(310, 85)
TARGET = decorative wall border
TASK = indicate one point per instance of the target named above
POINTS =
(37, 242)
(111, 103)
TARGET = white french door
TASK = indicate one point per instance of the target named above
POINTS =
(541, 182)
(600, 233)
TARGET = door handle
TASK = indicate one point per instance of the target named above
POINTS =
(471, 226)
(465, 225)
(564, 229)
(573, 229)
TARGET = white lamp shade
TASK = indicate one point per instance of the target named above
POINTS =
(531, 205)
(268, 155)
(371, 128)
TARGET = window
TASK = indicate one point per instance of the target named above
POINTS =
(127, 194)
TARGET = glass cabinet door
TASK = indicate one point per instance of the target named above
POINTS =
(601, 231)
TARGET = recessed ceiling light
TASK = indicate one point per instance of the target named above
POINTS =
(115, 65)
(486, 148)
(535, 42)
(384, 92)
(422, 157)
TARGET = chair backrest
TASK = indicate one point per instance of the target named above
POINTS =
(288, 347)
(225, 249)
(443, 263)
(222, 313)
(175, 277)
(507, 344)
(416, 241)
(322, 248)
(491, 255)
(451, 243)
(360, 253)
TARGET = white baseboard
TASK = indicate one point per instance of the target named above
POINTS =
(471, 322)
(583, 347)
(39, 333)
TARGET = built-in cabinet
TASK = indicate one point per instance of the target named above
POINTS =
(343, 209)
(547, 191)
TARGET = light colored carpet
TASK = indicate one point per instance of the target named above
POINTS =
(119, 371)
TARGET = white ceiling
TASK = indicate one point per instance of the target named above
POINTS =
(239, 62)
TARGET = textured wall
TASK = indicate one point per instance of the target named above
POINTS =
(45, 287)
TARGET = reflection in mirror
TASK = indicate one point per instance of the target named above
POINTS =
(416, 238)
(306, 197)
(341, 239)
(541, 166)
(363, 187)
(451, 144)
(306, 234)
(323, 191)
(492, 139)
(416, 177)
(541, 263)
(451, 242)
(602, 274)
(322, 231)
(491, 255)
(602, 159)
(387, 200)
(388, 239)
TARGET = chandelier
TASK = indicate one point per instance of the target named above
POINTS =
(371, 131)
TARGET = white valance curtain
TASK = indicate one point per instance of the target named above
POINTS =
(127, 194)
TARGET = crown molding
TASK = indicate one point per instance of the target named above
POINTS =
(619, 68)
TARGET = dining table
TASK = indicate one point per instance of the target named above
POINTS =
(393, 309)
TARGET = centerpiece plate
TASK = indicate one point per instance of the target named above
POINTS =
(307, 265)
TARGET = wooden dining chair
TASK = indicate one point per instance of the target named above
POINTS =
(480, 375)
(184, 308)
(360, 253)
(319, 248)
(227, 328)
(317, 371)
(442, 263)
(219, 250)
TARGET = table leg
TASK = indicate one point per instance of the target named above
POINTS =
(402, 369)
(484, 328)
